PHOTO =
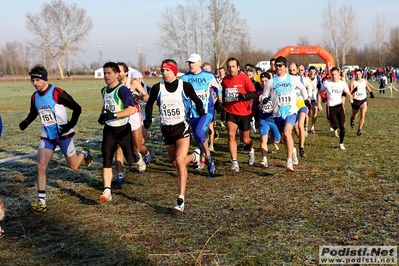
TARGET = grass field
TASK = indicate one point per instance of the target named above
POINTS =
(253, 217)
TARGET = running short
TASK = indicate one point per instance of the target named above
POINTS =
(303, 110)
(66, 145)
(357, 103)
(173, 133)
(136, 120)
(243, 122)
(281, 122)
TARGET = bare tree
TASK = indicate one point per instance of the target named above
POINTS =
(380, 37)
(348, 30)
(331, 34)
(13, 58)
(60, 28)
(225, 29)
(393, 47)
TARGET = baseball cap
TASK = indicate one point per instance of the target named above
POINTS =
(281, 60)
(136, 74)
(194, 58)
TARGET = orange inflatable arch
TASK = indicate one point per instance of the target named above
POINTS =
(308, 50)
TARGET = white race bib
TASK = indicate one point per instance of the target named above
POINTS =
(284, 99)
(231, 94)
(47, 117)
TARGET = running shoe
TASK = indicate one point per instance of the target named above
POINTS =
(306, 131)
(197, 156)
(290, 166)
(359, 132)
(352, 124)
(147, 158)
(216, 136)
(251, 157)
(294, 157)
(105, 197)
(38, 206)
(341, 146)
(211, 166)
(180, 205)
(141, 165)
(222, 124)
(234, 166)
(200, 165)
(331, 129)
(313, 131)
(119, 179)
(264, 162)
(336, 134)
(241, 145)
(302, 152)
(89, 157)
(211, 149)
(276, 151)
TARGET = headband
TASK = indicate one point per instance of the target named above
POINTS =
(171, 67)
(38, 75)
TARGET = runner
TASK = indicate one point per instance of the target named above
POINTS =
(238, 91)
(174, 97)
(334, 88)
(204, 84)
(281, 90)
(314, 99)
(49, 103)
(359, 88)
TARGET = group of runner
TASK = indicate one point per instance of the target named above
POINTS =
(283, 99)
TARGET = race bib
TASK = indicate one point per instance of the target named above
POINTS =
(202, 94)
(298, 94)
(172, 112)
(231, 94)
(284, 99)
(142, 106)
(359, 94)
(267, 108)
(47, 117)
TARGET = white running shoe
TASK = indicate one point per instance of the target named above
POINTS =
(180, 205)
(234, 166)
(251, 157)
(290, 167)
(264, 162)
(197, 156)
(341, 146)
(294, 157)
(141, 165)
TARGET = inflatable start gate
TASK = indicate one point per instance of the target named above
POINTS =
(308, 50)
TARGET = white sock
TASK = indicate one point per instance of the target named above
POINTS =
(42, 197)
(107, 191)
(181, 197)
(85, 153)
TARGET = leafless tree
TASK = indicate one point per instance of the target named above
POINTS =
(225, 29)
(348, 30)
(380, 37)
(331, 32)
(60, 29)
(13, 58)
(394, 47)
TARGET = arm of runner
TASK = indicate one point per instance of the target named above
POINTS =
(190, 93)
(266, 92)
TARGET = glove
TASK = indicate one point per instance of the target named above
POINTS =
(108, 115)
(136, 97)
(201, 112)
(241, 97)
(65, 128)
(308, 104)
(219, 106)
(354, 90)
(101, 119)
(371, 94)
(147, 123)
(23, 125)
(265, 100)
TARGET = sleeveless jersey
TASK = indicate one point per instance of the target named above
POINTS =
(314, 93)
(334, 91)
(51, 114)
(174, 107)
(202, 83)
(113, 103)
(283, 97)
(300, 102)
(361, 92)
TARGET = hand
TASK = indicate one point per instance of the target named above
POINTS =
(308, 104)
(320, 108)
(108, 115)
(371, 94)
(23, 125)
(147, 123)
(65, 128)
(241, 96)
(201, 112)
(219, 106)
(265, 100)
(136, 97)
(101, 119)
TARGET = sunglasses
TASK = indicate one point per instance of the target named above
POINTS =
(279, 65)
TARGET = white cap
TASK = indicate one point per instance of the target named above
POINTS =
(136, 74)
(194, 58)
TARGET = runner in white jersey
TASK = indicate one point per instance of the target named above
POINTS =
(334, 88)
(135, 121)
(359, 88)
(314, 98)
(281, 89)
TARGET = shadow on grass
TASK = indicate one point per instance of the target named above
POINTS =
(157, 208)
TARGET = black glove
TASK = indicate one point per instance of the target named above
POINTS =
(201, 112)
(265, 100)
(65, 128)
(101, 119)
(147, 123)
(308, 104)
(108, 115)
(136, 97)
(219, 106)
(371, 94)
(241, 97)
(354, 90)
(23, 125)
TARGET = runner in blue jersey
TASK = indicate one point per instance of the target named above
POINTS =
(204, 84)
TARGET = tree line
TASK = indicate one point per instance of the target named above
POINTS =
(211, 28)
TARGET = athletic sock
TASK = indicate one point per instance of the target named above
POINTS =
(107, 190)
(42, 196)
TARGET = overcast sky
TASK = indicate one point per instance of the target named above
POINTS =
(123, 25)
